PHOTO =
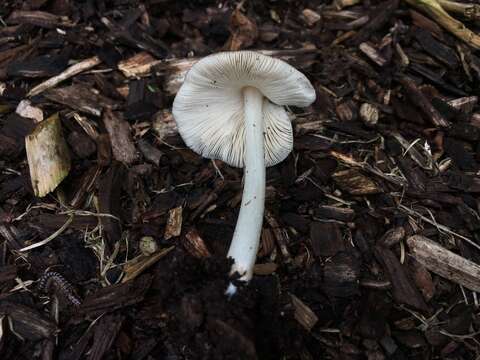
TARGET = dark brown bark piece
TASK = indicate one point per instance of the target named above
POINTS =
(375, 309)
(406, 112)
(81, 144)
(420, 100)
(7, 273)
(135, 37)
(362, 67)
(110, 187)
(77, 348)
(106, 331)
(423, 279)
(326, 238)
(335, 213)
(404, 291)
(52, 222)
(415, 176)
(296, 221)
(465, 132)
(41, 66)
(28, 322)
(115, 297)
(123, 148)
(17, 127)
(460, 155)
(351, 129)
(392, 236)
(311, 143)
(150, 152)
(38, 18)
(436, 77)
(244, 345)
(9, 147)
(379, 17)
(80, 98)
(143, 347)
(104, 150)
(435, 48)
(411, 339)
(11, 185)
(424, 22)
(341, 275)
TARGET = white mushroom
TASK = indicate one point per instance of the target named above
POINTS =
(231, 107)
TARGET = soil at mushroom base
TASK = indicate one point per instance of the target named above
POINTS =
(203, 323)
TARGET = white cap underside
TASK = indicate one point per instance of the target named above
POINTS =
(208, 107)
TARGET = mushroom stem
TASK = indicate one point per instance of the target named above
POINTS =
(246, 237)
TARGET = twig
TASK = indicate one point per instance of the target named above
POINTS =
(217, 170)
(444, 262)
(457, 28)
(469, 11)
(366, 167)
(440, 227)
(71, 71)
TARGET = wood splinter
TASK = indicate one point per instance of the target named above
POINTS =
(48, 156)
(445, 263)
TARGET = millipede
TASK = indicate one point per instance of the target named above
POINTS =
(59, 283)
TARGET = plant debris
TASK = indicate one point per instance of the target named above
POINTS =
(114, 234)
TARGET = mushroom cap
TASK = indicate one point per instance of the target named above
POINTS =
(208, 108)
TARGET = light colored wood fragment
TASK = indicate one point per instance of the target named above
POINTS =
(444, 262)
(138, 65)
(303, 314)
(466, 104)
(27, 110)
(48, 156)
(164, 124)
(370, 114)
(138, 265)
(195, 245)
(340, 4)
(311, 17)
(174, 223)
(372, 53)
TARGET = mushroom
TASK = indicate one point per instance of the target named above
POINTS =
(231, 107)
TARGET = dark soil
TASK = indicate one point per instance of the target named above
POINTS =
(135, 263)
